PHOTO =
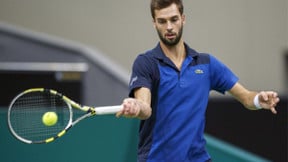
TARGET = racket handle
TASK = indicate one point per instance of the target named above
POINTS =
(108, 109)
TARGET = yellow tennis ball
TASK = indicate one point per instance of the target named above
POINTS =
(49, 118)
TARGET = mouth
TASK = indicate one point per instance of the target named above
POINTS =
(170, 35)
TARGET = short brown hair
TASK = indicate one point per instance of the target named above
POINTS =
(160, 4)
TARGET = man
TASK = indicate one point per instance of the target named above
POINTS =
(169, 92)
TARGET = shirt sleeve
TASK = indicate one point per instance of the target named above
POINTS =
(222, 78)
(141, 74)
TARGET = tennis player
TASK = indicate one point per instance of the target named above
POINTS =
(169, 92)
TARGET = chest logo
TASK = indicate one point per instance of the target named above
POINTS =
(199, 71)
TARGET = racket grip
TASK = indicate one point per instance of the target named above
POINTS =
(108, 109)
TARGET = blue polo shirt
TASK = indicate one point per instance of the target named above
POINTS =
(175, 130)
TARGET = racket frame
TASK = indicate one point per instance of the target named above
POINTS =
(90, 111)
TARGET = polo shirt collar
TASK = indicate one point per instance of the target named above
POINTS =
(159, 54)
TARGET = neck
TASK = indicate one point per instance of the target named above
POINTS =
(176, 53)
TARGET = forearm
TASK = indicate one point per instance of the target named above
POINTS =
(248, 100)
(144, 110)
(138, 107)
(143, 99)
(255, 100)
(244, 96)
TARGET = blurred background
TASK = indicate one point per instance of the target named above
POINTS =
(251, 37)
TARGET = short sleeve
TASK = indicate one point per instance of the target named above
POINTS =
(222, 78)
(141, 74)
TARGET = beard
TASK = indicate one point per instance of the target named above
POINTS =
(170, 42)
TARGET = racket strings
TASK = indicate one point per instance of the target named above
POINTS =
(27, 111)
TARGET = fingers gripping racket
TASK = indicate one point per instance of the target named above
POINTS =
(27, 110)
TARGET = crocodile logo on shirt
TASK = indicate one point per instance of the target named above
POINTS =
(199, 71)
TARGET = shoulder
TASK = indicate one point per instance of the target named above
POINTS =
(207, 58)
(198, 57)
(203, 58)
(146, 59)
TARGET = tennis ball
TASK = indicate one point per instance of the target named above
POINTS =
(49, 118)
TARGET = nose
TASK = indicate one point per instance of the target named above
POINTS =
(169, 26)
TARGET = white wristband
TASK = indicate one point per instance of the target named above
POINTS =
(256, 102)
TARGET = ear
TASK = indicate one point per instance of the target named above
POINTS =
(154, 23)
(183, 18)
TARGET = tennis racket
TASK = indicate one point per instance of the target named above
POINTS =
(26, 111)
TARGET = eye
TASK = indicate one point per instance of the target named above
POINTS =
(174, 19)
(161, 21)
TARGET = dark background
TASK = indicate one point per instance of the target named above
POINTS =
(260, 132)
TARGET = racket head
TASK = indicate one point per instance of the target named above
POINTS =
(27, 109)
